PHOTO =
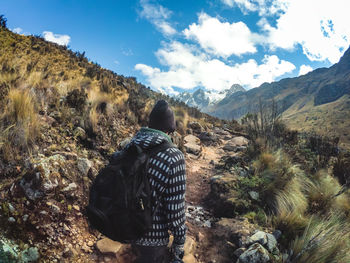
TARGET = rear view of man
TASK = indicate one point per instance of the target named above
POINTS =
(166, 173)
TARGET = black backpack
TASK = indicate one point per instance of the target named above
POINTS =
(120, 204)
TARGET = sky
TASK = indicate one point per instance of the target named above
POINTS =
(174, 46)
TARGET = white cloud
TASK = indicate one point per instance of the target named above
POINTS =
(188, 69)
(263, 7)
(323, 33)
(17, 30)
(222, 38)
(319, 27)
(304, 69)
(158, 16)
(56, 38)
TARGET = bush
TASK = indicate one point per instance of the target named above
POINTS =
(3, 21)
(77, 99)
(266, 130)
(341, 169)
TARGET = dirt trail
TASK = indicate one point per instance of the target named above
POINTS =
(199, 171)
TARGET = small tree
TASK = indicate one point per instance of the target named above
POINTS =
(3, 21)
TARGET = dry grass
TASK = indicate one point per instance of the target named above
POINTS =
(291, 207)
(94, 117)
(19, 122)
(322, 193)
(323, 241)
(182, 119)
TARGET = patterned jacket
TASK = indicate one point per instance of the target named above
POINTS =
(167, 177)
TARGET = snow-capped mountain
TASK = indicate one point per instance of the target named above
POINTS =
(202, 99)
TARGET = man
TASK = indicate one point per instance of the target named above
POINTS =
(168, 180)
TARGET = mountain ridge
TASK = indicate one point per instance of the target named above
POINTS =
(303, 101)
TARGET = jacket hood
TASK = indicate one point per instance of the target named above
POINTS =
(148, 138)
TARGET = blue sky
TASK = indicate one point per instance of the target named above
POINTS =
(181, 45)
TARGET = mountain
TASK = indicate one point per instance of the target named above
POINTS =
(318, 101)
(202, 99)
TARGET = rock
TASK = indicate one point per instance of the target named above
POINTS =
(79, 133)
(222, 132)
(44, 178)
(90, 243)
(271, 244)
(239, 251)
(11, 208)
(254, 195)
(86, 248)
(107, 245)
(239, 141)
(30, 255)
(209, 138)
(207, 223)
(11, 220)
(70, 187)
(256, 253)
(259, 237)
(84, 166)
(189, 245)
(196, 127)
(25, 218)
(77, 208)
(236, 144)
(192, 144)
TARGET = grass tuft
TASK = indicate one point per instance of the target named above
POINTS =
(323, 241)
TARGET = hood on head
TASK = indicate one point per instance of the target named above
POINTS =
(148, 138)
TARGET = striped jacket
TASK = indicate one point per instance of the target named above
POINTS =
(167, 177)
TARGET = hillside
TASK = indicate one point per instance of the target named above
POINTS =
(61, 117)
(318, 101)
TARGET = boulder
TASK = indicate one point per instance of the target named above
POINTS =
(209, 138)
(222, 132)
(196, 127)
(239, 141)
(259, 237)
(236, 144)
(256, 253)
(192, 144)
(107, 245)
(267, 240)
